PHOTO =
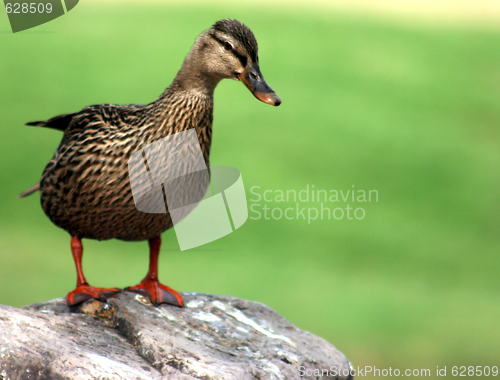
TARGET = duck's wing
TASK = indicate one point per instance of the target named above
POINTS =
(96, 116)
(106, 113)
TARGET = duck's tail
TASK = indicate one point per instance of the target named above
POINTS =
(30, 191)
(60, 122)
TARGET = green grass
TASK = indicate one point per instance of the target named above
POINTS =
(412, 112)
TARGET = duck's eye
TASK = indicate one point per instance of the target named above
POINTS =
(254, 76)
(228, 46)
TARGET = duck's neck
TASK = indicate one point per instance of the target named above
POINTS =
(187, 103)
(194, 76)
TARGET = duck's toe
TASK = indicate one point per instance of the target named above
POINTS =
(157, 292)
(85, 292)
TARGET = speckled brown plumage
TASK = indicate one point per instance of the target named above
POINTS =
(85, 188)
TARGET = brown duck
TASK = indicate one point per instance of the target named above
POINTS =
(85, 188)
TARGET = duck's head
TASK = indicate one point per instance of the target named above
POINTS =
(229, 50)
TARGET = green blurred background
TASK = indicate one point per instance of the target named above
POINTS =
(410, 109)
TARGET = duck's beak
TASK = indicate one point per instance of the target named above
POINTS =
(253, 79)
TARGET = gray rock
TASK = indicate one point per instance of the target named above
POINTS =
(212, 337)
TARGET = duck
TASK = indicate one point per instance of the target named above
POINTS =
(85, 188)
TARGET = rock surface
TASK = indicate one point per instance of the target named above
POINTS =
(213, 337)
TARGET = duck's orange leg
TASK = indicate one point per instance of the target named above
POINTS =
(150, 286)
(83, 290)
